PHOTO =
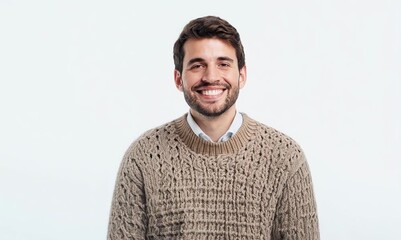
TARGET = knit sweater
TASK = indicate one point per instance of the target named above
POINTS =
(174, 185)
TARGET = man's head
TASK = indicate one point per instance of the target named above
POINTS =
(208, 27)
(209, 66)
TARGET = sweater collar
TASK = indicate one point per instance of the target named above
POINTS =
(238, 141)
(233, 129)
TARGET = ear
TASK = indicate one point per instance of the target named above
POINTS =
(242, 76)
(178, 80)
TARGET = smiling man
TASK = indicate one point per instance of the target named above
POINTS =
(210, 79)
(213, 173)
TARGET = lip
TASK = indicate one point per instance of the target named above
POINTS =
(210, 88)
(210, 94)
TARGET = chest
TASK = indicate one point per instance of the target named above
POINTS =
(194, 194)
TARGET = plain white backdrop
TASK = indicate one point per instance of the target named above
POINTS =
(80, 80)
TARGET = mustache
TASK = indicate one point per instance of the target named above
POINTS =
(208, 84)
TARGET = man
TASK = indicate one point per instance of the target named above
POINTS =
(213, 173)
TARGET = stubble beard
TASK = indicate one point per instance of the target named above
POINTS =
(211, 111)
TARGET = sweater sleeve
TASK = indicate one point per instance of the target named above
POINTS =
(128, 211)
(296, 215)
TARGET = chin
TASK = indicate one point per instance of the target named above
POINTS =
(216, 112)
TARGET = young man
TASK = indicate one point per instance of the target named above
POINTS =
(213, 173)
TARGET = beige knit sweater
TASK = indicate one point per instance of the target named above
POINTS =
(175, 185)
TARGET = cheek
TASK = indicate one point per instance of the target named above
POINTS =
(234, 78)
(190, 79)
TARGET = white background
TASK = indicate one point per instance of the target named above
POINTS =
(80, 80)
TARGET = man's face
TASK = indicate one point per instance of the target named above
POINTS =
(210, 78)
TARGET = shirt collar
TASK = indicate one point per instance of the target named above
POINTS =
(233, 129)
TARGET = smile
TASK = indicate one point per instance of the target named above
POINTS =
(213, 92)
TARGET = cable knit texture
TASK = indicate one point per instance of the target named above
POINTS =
(175, 185)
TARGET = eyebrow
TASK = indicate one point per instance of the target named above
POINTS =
(225, 59)
(194, 60)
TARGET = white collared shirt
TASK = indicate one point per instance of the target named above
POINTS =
(233, 129)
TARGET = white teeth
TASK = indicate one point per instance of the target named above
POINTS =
(212, 92)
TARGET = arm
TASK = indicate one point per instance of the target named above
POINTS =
(128, 211)
(296, 215)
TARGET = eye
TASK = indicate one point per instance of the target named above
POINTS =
(224, 65)
(196, 66)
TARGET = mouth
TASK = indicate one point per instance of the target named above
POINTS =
(210, 95)
(211, 89)
(211, 92)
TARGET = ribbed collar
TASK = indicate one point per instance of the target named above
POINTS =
(236, 143)
(233, 129)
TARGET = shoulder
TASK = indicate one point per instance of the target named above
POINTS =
(152, 139)
(283, 150)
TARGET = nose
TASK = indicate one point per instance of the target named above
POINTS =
(211, 74)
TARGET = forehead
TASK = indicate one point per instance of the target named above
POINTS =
(208, 49)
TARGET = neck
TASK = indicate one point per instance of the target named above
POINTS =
(215, 127)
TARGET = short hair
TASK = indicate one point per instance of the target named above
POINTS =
(208, 27)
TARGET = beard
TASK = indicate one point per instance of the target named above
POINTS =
(211, 111)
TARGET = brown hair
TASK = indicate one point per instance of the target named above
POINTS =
(208, 27)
